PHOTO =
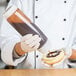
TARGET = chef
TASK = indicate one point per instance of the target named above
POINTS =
(56, 18)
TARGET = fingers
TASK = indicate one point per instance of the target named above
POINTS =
(34, 43)
(33, 38)
(27, 48)
(30, 42)
(26, 37)
(36, 46)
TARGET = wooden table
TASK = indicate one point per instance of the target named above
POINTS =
(44, 72)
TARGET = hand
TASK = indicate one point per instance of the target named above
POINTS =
(30, 42)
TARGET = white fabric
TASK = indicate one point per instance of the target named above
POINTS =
(51, 15)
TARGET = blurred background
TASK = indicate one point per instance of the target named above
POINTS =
(3, 4)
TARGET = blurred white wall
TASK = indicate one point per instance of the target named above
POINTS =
(2, 8)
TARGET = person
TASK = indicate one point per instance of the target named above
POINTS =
(56, 18)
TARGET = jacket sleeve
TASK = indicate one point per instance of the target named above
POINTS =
(8, 38)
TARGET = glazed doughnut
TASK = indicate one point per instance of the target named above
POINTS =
(53, 57)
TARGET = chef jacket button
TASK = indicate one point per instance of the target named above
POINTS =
(36, 16)
(63, 38)
(64, 19)
(65, 1)
(37, 56)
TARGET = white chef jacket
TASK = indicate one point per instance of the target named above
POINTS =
(56, 18)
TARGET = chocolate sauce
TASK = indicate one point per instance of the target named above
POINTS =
(53, 54)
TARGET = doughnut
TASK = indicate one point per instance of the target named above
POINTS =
(53, 57)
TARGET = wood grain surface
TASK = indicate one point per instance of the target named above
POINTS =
(38, 72)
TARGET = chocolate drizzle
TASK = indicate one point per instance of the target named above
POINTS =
(53, 54)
